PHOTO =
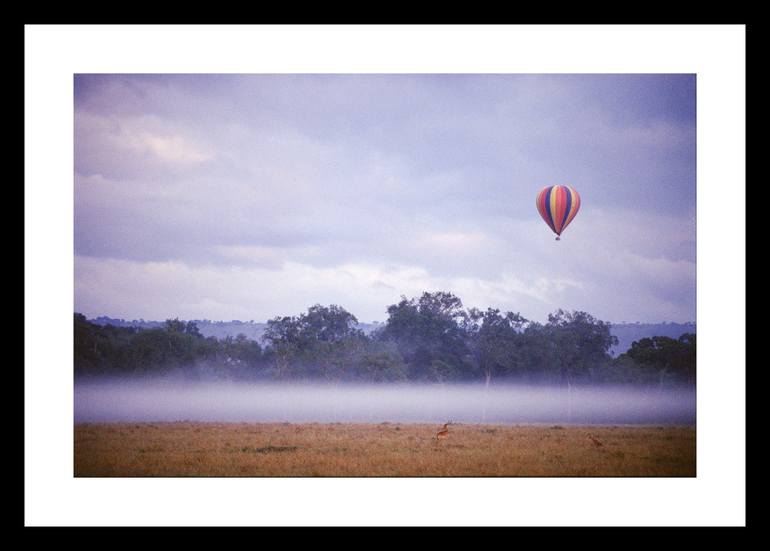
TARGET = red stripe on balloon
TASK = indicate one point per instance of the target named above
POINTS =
(561, 207)
(541, 207)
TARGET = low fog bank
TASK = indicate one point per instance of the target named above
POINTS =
(169, 400)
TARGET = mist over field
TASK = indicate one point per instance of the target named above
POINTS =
(169, 400)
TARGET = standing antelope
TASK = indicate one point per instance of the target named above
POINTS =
(444, 432)
(595, 441)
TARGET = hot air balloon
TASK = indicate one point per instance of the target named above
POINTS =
(558, 205)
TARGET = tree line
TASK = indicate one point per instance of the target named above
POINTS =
(430, 338)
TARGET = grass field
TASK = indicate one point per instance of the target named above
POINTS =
(387, 449)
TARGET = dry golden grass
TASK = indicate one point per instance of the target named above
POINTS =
(387, 449)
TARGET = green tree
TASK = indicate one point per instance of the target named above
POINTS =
(495, 341)
(381, 361)
(673, 360)
(429, 333)
(582, 344)
(323, 343)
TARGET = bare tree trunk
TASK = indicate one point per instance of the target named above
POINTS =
(487, 378)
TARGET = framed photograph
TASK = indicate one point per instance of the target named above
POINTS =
(402, 269)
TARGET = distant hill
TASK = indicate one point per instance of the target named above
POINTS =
(625, 332)
(208, 328)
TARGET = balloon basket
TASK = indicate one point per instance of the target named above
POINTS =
(558, 239)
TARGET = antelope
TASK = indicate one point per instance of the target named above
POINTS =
(444, 432)
(596, 442)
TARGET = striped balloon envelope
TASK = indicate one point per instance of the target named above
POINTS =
(558, 205)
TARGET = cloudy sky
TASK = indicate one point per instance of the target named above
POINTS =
(250, 196)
